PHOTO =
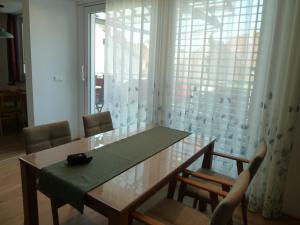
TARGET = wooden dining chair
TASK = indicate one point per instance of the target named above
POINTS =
(47, 136)
(211, 179)
(171, 212)
(97, 123)
(10, 108)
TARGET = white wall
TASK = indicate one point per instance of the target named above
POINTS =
(292, 188)
(51, 50)
(3, 53)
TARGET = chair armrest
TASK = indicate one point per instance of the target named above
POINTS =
(210, 178)
(228, 156)
(205, 187)
(145, 219)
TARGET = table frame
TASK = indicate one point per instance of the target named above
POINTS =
(30, 175)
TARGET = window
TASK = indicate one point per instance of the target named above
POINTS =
(213, 71)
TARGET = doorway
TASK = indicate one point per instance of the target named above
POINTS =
(13, 100)
(94, 58)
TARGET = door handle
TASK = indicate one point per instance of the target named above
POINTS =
(82, 73)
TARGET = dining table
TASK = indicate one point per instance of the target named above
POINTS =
(118, 197)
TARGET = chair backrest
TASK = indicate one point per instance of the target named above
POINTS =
(224, 211)
(257, 159)
(46, 136)
(97, 123)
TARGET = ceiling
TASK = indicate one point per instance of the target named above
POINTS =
(11, 6)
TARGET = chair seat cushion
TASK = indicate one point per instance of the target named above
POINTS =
(202, 194)
(172, 212)
(214, 173)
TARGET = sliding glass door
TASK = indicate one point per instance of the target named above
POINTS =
(93, 68)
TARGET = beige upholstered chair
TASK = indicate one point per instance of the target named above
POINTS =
(211, 180)
(97, 123)
(170, 212)
(46, 136)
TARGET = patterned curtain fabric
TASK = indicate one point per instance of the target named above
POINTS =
(223, 68)
(210, 79)
(277, 99)
(130, 47)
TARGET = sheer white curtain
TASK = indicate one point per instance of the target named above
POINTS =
(277, 101)
(130, 52)
(211, 74)
(194, 68)
(225, 68)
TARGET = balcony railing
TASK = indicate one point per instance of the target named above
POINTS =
(99, 92)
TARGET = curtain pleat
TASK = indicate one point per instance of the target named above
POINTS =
(277, 101)
(212, 72)
(129, 66)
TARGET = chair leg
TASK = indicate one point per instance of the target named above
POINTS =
(130, 220)
(214, 201)
(1, 128)
(230, 222)
(202, 205)
(171, 189)
(182, 189)
(54, 209)
(244, 211)
(180, 195)
(225, 188)
(195, 203)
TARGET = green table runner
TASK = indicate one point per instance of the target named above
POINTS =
(70, 184)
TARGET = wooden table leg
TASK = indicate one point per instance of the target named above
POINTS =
(30, 207)
(172, 188)
(116, 218)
